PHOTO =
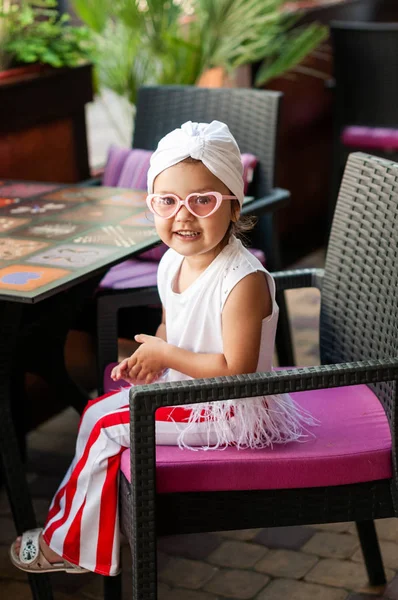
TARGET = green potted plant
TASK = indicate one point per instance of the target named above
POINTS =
(33, 33)
(47, 141)
(178, 41)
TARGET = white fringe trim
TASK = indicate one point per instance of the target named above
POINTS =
(257, 422)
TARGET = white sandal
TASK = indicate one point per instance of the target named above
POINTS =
(32, 560)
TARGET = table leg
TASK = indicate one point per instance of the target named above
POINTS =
(42, 341)
(11, 462)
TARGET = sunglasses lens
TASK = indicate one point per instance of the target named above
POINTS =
(202, 205)
(163, 205)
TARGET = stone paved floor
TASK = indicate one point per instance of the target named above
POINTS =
(322, 562)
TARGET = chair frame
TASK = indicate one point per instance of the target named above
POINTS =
(146, 514)
(150, 514)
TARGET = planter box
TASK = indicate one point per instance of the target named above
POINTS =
(42, 124)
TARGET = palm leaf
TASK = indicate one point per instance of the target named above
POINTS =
(145, 41)
(94, 13)
(296, 47)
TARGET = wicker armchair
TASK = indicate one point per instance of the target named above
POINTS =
(359, 345)
(252, 116)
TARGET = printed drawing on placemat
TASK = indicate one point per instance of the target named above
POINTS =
(97, 192)
(73, 256)
(12, 249)
(68, 194)
(26, 278)
(144, 219)
(101, 191)
(97, 214)
(126, 198)
(8, 223)
(38, 207)
(53, 230)
(24, 190)
(81, 194)
(117, 235)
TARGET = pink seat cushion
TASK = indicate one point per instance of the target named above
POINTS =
(109, 384)
(351, 444)
(128, 167)
(133, 273)
(249, 162)
(380, 138)
(259, 254)
(114, 165)
(135, 169)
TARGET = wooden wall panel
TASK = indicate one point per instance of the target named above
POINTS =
(42, 153)
(42, 125)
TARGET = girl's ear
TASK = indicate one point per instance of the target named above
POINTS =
(235, 211)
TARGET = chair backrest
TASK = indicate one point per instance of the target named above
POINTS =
(359, 309)
(354, 10)
(251, 115)
(366, 73)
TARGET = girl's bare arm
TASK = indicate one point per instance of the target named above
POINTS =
(161, 330)
(247, 305)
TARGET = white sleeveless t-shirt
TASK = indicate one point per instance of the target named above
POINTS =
(194, 317)
(194, 322)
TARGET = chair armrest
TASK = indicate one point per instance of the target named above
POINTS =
(145, 399)
(277, 198)
(299, 278)
(108, 304)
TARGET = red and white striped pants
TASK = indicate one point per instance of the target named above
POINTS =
(83, 521)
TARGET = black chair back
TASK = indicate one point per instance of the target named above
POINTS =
(251, 115)
(355, 10)
(359, 310)
(366, 73)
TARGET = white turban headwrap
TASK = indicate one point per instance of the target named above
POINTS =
(212, 143)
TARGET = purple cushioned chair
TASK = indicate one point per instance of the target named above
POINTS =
(370, 138)
(347, 468)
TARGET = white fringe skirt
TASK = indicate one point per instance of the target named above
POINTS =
(258, 422)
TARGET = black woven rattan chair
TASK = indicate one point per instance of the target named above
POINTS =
(359, 345)
(252, 116)
(366, 85)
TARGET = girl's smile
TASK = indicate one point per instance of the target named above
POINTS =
(200, 240)
(187, 235)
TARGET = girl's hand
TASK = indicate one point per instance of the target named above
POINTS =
(120, 371)
(148, 361)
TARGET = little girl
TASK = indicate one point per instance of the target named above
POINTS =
(219, 318)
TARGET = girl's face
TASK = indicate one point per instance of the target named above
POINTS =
(186, 234)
